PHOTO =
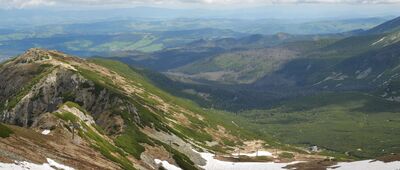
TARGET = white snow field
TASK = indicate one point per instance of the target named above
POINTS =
(45, 132)
(167, 165)
(254, 154)
(367, 165)
(215, 164)
(51, 165)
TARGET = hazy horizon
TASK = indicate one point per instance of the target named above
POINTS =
(237, 9)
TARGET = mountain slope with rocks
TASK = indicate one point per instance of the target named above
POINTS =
(99, 114)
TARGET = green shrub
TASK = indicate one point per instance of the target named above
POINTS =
(5, 131)
(130, 141)
(287, 155)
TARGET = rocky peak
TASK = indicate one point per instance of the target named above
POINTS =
(38, 55)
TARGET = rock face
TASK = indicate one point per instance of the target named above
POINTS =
(34, 55)
(53, 87)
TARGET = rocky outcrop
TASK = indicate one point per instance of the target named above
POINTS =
(61, 85)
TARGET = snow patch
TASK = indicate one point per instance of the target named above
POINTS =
(167, 165)
(254, 154)
(51, 165)
(393, 99)
(333, 76)
(364, 73)
(45, 132)
(366, 164)
(215, 164)
(377, 77)
(380, 40)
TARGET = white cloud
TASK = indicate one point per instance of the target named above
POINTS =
(25, 3)
(38, 3)
(297, 1)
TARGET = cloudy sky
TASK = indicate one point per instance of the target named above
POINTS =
(229, 8)
(181, 3)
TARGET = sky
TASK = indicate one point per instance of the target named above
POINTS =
(231, 8)
(10, 4)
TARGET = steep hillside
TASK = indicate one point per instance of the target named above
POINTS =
(101, 114)
(355, 62)
(374, 68)
(389, 26)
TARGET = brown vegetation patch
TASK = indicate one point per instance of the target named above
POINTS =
(312, 165)
(5, 160)
(389, 158)
(244, 158)
(158, 153)
(28, 145)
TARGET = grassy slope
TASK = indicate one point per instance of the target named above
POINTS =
(359, 124)
(233, 124)
(213, 117)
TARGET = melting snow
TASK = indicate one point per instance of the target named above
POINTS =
(364, 73)
(57, 165)
(333, 76)
(51, 165)
(215, 164)
(379, 76)
(45, 132)
(380, 40)
(367, 164)
(167, 165)
(388, 40)
(393, 99)
(260, 153)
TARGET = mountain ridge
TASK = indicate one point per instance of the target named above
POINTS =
(70, 90)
